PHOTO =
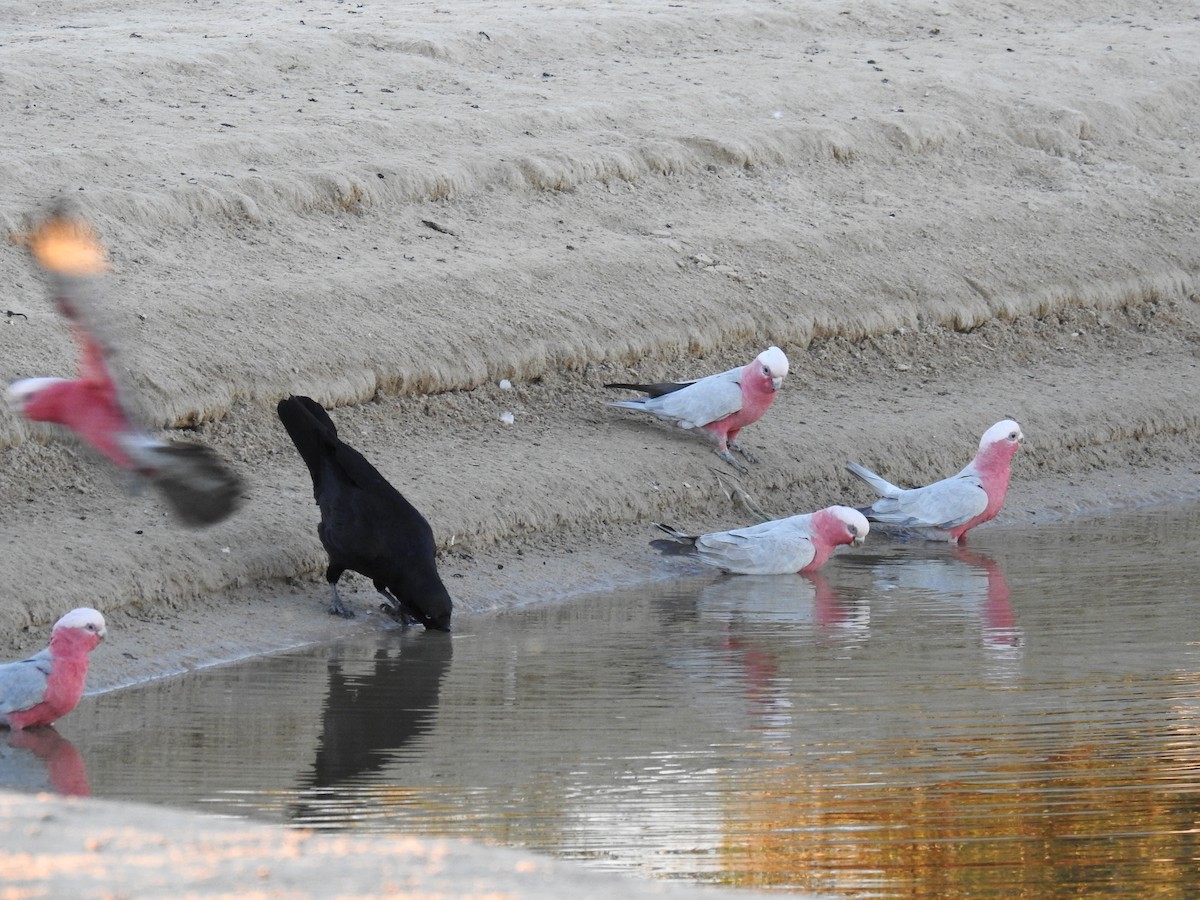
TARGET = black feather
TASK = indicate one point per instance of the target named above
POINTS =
(672, 548)
(200, 488)
(366, 524)
(680, 545)
(653, 390)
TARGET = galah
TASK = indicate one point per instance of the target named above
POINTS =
(367, 526)
(48, 685)
(194, 480)
(721, 405)
(946, 510)
(796, 544)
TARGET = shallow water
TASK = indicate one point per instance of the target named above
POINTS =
(1017, 719)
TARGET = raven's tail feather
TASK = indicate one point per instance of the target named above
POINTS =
(310, 428)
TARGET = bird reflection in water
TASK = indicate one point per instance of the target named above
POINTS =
(806, 606)
(376, 705)
(41, 759)
(968, 580)
(807, 600)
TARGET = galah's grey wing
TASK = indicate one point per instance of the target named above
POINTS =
(708, 400)
(23, 684)
(758, 550)
(943, 504)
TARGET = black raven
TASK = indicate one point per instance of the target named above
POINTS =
(366, 524)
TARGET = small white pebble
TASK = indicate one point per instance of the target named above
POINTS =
(224, 549)
(505, 384)
(506, 418)
(778, 114)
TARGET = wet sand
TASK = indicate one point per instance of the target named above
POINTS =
(945, 217)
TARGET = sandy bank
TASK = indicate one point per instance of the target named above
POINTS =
(945, 216)
(68, 848)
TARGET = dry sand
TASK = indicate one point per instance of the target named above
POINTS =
(946, 214)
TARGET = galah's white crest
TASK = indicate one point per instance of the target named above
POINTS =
(782, 546)
(721, 405)
(194, 480)
(946, 510)
(48, 685)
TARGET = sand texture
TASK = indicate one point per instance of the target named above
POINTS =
(945, 213)
(97, 849)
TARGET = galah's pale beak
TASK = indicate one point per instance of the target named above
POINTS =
(776, 382)
(860, 538)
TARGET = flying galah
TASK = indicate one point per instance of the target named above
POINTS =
(366, 524)
(795, 544)
(48, 685)
(946, 510)
(194, 480)
(721, 405)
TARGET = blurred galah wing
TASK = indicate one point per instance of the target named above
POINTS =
(194, 480)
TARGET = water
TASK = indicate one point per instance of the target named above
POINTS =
(1020, 719)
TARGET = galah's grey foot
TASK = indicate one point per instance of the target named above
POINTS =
(728, 457)
(336, 606)
(750, 457)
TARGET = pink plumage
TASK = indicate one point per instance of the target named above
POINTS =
(87, 405)
(193, 479)
(800, 543)
(946, 510)
(46, 686)
(720, 405)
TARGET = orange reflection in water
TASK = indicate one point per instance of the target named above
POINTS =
(1119, 809)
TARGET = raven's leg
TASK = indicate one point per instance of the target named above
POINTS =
(336, 606)
(393, 607)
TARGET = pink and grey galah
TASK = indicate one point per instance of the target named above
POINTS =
(48, 685)
(782, 546)
(191, 477)
(721, 405)
(946, 510)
